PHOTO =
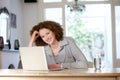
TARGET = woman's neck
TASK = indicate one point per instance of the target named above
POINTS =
(55, 44)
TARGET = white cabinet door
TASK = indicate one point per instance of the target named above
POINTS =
(10, 57)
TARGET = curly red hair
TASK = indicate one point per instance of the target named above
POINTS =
(51, 25)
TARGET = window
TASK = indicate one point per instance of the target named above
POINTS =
(54, 14)
(117, 17)
(88, 29)
(92, 28)
(52, 0)
(87, 0)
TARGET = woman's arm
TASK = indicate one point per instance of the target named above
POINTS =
(34, 36)
(80, 59)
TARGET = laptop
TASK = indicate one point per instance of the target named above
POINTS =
(33, 58)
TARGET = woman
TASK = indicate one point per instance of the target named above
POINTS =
(61, 52)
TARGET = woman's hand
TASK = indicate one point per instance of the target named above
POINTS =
(34, 36)
(52, 66)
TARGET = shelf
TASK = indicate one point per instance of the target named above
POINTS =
(10, 50)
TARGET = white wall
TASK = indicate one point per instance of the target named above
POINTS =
(16, 33)
(14, 6)
(27, 17)
(4, 3)
(30, 18)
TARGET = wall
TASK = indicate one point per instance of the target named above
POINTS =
(30, 18)
(4, 3)
(17, 33)
(14, 6)
(27, 17)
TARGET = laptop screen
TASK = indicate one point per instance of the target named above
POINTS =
(33, 58)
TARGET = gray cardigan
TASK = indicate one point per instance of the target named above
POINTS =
(70, 56)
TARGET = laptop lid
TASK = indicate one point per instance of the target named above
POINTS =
(33, 58)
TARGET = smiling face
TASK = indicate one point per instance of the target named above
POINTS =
(47, 36)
